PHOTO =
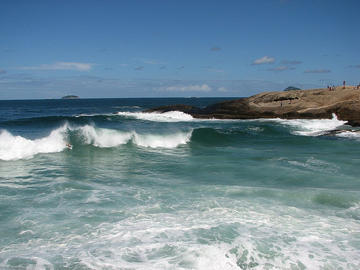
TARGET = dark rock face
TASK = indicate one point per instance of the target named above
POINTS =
(297, 104)
(70, 97)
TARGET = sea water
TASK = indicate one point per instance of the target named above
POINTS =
(166, 191)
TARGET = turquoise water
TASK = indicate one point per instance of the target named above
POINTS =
(165, 191)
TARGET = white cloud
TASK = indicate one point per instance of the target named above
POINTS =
(215, 49)
(193, 87)
(291, 62)
(152, 62)
(354, 66)
(317, 71)
(147, 61)
(264, 60)
(215, 70)
(62, 66)
(281, 68)
(222, 89)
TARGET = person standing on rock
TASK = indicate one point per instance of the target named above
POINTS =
(344, 84)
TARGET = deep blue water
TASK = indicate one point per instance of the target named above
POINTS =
(165, 191)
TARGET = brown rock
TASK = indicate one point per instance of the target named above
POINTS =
(301, 104)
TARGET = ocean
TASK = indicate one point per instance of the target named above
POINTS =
(97, 184)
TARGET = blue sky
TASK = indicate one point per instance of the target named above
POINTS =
(175, 48)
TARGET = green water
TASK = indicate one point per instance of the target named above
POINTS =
(155, 192)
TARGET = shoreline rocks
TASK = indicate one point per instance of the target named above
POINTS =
(295, 104)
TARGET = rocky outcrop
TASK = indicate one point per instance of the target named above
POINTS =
(301, 104)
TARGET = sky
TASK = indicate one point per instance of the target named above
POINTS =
(168, 48)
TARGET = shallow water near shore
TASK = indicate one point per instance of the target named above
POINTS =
(166, 191)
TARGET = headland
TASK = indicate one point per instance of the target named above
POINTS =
(295, 104)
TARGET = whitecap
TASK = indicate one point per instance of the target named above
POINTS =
(31, 263)
(349, 134)
(162, 141)
(312, 127)
(101, 137)
(172, 116)
(17, 147)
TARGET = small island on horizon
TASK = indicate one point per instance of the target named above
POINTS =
(70, 97)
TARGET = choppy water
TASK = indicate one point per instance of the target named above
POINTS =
(165, 191)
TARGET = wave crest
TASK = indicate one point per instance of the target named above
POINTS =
(101, 137)
(312, 127)
(172, 116)
(17, 147)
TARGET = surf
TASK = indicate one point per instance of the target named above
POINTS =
(172, 116)
(309, 127)
(13, 147)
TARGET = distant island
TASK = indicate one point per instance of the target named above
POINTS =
(295, 104)
(70, 97)
(291, 88)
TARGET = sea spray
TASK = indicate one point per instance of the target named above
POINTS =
(17, 147)
(101, 137)
(240, 194)
(162, 141)
(310, 127)
(172, 116)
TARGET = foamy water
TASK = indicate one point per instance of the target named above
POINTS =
(350, 134)
(310, 127)
(171, 193)
(172, 116)
(218, 232)
(17, 147)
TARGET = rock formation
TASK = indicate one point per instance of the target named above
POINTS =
(295, 104)
(70, 97)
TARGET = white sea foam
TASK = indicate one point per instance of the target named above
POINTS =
(32, 263)
(17, 147)
(164, 141)
(218, 232)
(92, 114)
(315, 165)
(349, 134)
(311, 127)
(172, 116)
(101, 137)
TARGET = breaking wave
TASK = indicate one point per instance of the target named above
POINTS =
(312, 127)
(172, 116)
(14, 147)
(349, 134)
(101, 137)
(17, 147)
